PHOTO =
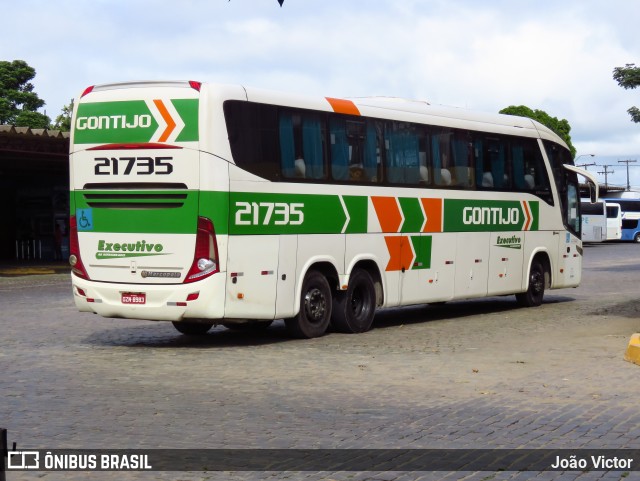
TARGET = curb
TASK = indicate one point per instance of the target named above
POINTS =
(633, 350)
(33, 270)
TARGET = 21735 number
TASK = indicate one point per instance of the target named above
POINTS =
(133, 165)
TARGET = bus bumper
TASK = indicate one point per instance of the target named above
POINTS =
(172, 302)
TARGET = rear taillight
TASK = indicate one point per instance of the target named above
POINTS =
(205, 258)
(74, 250)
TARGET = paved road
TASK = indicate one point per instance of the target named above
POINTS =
(475, 374)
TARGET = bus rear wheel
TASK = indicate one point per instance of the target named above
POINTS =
(537, 281)
(190, 328)
(315, 308)
(636, 238)
(353, 309)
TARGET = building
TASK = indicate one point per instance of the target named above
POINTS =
(34, 193)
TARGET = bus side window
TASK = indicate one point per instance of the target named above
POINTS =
(287, 145)
(492, 163)
(463, 163)
(313, 146)
(441, 157)
(403, 157)
(302, 149)
(252, 131)
(339, 148)
(371, 161)
(535, 176)
(354, 149)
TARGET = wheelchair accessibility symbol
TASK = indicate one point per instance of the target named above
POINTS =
(84, 219)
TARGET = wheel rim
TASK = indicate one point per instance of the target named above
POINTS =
(357, 303)
(315, 305)
(537, 281)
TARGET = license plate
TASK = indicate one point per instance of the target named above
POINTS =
(134, 298)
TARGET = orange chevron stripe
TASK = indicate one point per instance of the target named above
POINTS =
(341, 106)
(388, 213)
(433, 211)
(527, 213)
(167, 118)
(400, 253)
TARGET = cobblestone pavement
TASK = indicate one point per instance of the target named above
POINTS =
(474, 374)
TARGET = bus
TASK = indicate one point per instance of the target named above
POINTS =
(594, 221)
(630, 209)
(614, 221)
(206, 204)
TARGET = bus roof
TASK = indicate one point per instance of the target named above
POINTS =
(381, 107)
(396, 108)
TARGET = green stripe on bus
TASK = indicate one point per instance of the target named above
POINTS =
(422, 247)
(140, 211)
(489, 215)
(357, 207)
(253, 213)
(131, 121)
(188, 111)
(413, 215)
(260, 213)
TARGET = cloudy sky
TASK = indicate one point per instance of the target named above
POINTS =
(553, 55)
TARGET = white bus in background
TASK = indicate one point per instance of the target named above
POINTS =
(630, 209)
(614, 221)
(207, 204)
(594, 221)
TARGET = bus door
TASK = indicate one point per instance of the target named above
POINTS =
(472, 264)
(506, 258)
(436, 282)
(569, 243)
(252, 266)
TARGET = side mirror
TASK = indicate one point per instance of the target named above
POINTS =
(594, 190)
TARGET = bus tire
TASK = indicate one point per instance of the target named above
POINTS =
(315, 308)
(190, 328)
(354, 309)
(636, 238)
(532, 297)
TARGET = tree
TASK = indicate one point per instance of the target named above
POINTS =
(628, 77)
(63, 121)
(18, 102)
(560, 127)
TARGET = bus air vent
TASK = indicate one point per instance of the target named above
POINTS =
(121, 200)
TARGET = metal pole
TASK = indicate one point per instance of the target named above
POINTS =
(3, 454)
(627, 162)
(606, 175)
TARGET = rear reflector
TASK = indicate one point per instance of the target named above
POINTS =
(74, 250)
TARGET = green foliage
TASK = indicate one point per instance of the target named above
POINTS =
(628, 77)
(18, 102)
(560, 127)
(63, 121)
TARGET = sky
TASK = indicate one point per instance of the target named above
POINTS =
(556, 56)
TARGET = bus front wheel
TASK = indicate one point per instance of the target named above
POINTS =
(315, 308)
(353, 309)
(535, 292)
(636, 238)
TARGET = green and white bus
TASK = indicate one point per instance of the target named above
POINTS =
(206, 204)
